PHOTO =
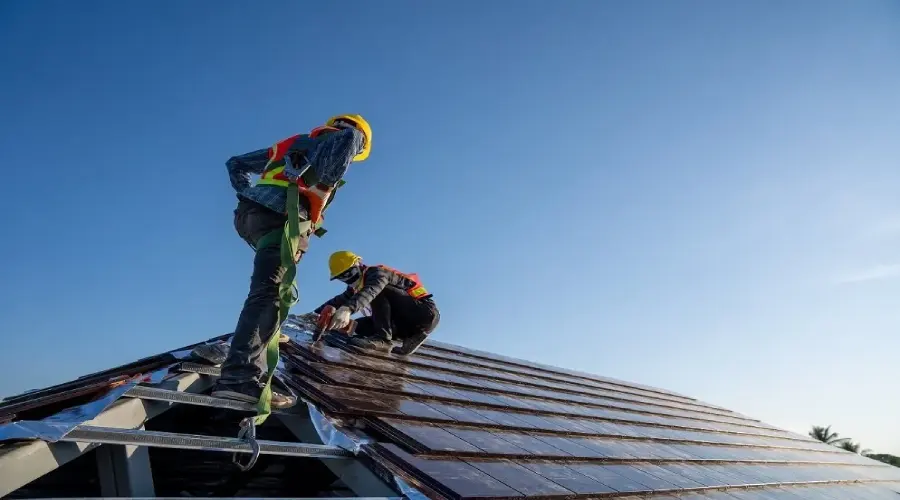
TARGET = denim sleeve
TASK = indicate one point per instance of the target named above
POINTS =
(333, 155)
(240, 167)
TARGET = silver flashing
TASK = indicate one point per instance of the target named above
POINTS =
(22, 463)
(408, 491)
(54, 427)
(329, 433)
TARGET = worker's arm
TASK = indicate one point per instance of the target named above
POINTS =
(374, 281)
(241, 167)
(336, 301)
(334, 153)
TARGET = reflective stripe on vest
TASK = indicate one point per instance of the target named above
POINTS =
(275, 177)
(416, 291)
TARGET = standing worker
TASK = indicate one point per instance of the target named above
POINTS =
(401, 307)
(315, 163)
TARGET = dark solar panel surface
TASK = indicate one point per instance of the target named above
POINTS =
(460, 424)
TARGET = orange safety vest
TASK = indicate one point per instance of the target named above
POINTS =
(273, 174)
(416, 291)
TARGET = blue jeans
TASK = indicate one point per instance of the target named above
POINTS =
(258, 320)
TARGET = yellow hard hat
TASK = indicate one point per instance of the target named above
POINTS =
(342, 260)
(362, 125)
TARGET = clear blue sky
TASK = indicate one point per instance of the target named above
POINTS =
(695, 195)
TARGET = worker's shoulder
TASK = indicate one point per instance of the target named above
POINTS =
(374, 270)
(302, 142)
(344, 134)
(378, 271)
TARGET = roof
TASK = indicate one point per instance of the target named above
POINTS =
(459, 423)
(455, 423)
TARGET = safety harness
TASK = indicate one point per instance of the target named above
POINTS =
(288, 238)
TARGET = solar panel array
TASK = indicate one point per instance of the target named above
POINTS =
(458, 424)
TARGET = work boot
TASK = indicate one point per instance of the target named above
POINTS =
(410, 344)
(250, 392)
(372, 343)
(281, 401)
(213, 354)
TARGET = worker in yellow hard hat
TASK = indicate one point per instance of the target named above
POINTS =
(317, 163)
(402, 309)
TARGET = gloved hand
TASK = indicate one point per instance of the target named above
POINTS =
(340, 318)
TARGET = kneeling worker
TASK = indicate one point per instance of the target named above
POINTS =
(401, 307)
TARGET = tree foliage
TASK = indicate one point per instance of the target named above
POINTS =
(826, 435)
(853, 447)
(886, 458)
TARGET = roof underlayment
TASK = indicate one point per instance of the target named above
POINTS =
(448, 422)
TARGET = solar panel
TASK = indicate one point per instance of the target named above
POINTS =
(464, 424)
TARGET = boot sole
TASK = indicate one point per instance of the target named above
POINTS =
(412, 351)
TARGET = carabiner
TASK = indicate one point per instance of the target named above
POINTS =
(248, 432)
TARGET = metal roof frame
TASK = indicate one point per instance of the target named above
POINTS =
(123, 462)
(22, 463)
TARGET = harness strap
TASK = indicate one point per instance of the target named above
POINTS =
(289, 240)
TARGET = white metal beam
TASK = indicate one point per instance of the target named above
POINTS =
(359, 478)
(159, 439)
(125, 471)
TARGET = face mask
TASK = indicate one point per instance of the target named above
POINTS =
(350, 275)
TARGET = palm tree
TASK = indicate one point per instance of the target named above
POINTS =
(849, 446)
(825, 435)
(854, 447)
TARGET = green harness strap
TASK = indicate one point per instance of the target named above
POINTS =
(289, 240)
